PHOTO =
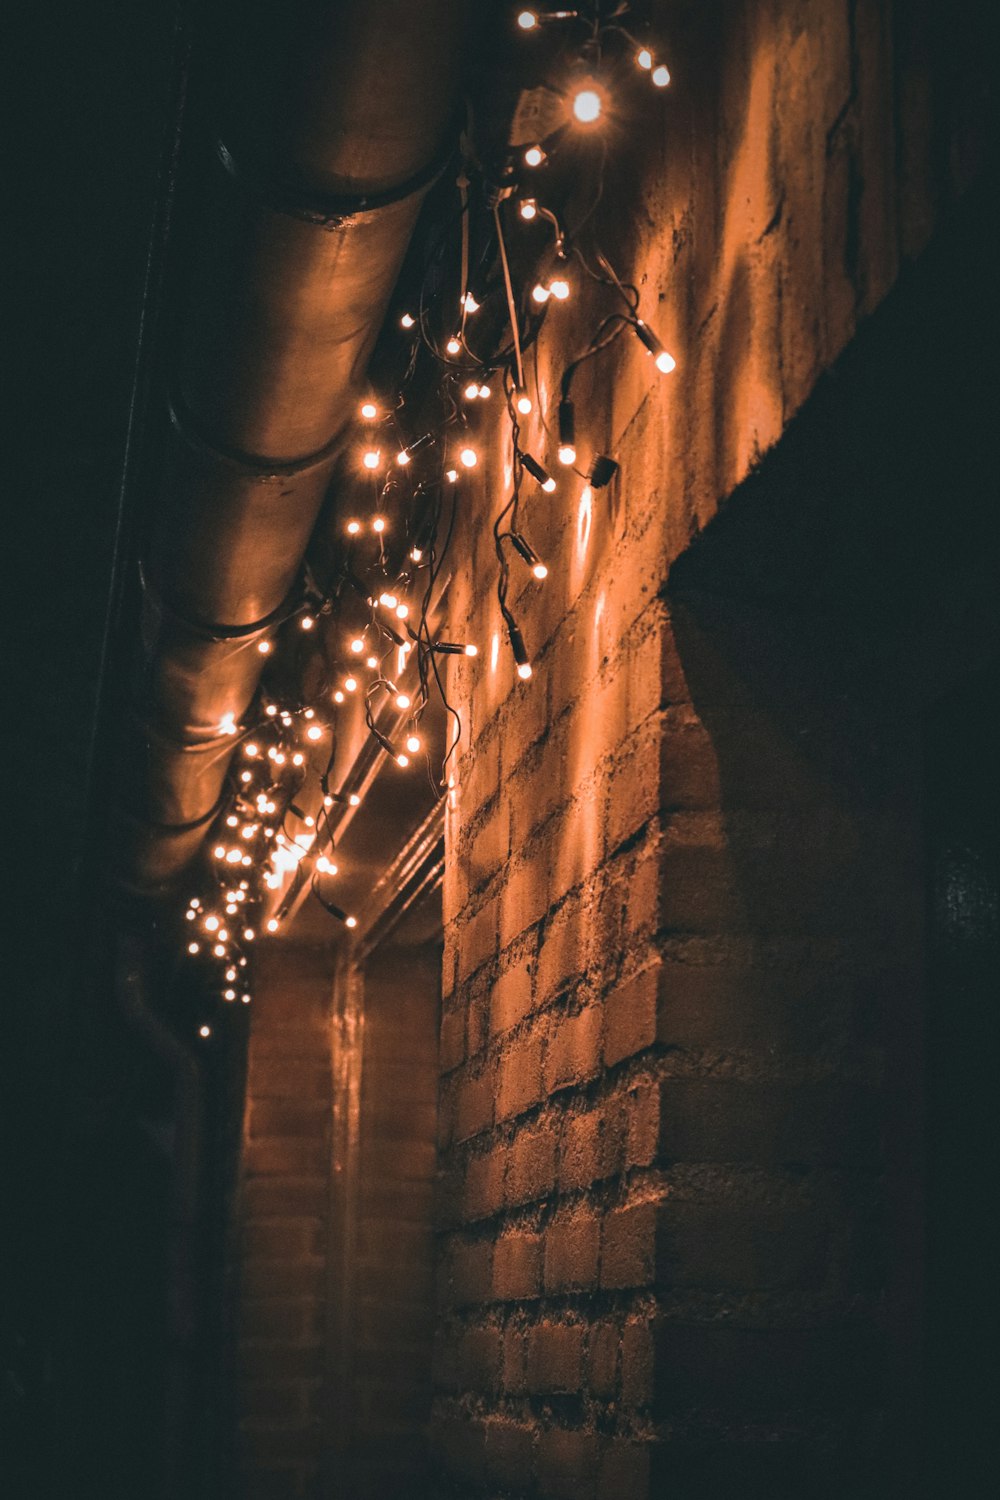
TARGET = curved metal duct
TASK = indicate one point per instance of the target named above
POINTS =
(335, 131)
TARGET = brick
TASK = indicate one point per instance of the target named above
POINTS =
(519, 1075)
(515, 1357)
(574, 1049)
(563, 955)
(477, 940)
(602, 1360)
(624, 1470)
(722, 1120)
(490, 847)
(509, 1454)
(739, 1247)
(628, 1246)
(510, 997)
(567, 1463)
(452, 1053)
(630, 1016)
(469, 1276)
(572, 1244)
(531, 1169)
(637, 1364)
(525, 897)
(473, 1104)
(517, 1266)
(555, 1357)
(481, 1360)
(581, 1150)
(483, 1187)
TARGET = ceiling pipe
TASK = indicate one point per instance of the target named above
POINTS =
(335, 127)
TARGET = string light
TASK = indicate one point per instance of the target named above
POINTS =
(468, 458)
(529, 554)
(536, 471)
(587, 106)
(406, 321)
(664, 362)
(529, 208)
(369, 411)
(534, 156)
(527, 20)
(661, 76)
(523, 402)
(454, 345)
(371, 458)
(644, 58)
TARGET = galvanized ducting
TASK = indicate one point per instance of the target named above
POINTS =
(333, 129)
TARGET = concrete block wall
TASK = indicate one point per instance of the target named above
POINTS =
(679, 912)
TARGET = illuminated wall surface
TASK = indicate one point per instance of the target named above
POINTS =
(633, 1160)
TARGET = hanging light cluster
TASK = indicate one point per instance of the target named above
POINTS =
(460, 342)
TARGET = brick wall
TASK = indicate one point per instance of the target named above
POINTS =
(282, 1217)
(682, 891)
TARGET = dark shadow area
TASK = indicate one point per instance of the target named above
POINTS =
(838, 626)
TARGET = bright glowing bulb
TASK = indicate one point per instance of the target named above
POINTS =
(371, 661)
(219, 851)
(661, 76)
(453, 345)
(264, 647)
(378, 525)
(534, 156)
(412, 743)
(354, 799)
(314, 732)
(245, 999)
(402, 700)
(471, 391)
(540, 570)
(246, 776)
(523, 402)
(353, 527)
(194, 947)
(415, 554)
(369, 411)
(406, 321)
(271, 924)
(307, 622)
(402, 458)
(357, 645)
(298, 759)
(251, 749)
(309, 713)
(351, 684)
(527, 20)
(338, 696)
(665, 362)
(402, 760)
(524, 670)
(271, 710)
(567, 453)
(469, 303)
(644, 58)
(191, 914)
(389, 600)
(371, 458)
(402, 610)
(559, 289)
(540, 293)
(587, 106)
(351, 921)
(471, 650)
(529, 209)
(229, 994)
(230, 974)
(468, 457)
(326, 866)
(484, 392)
(451, 475)
(204, 1031)
(548, 485)
(219, 950)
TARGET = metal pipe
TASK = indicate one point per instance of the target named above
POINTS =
(333, 132)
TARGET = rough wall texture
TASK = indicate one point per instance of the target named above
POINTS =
(680, 903)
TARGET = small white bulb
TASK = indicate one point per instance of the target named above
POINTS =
(540, 293)
(194, 947)
(353, 527)
(644, 58)
(402, 700)
(354, 799)
(471, 650)
(314, 732)
(548, 485)
(351, 921)
(471, 391)
(264, 647)
(529, 209)
(369, 411)
(527, 20)
(665, 362)
(204, 1031)
(378, 525)
(451, 475)
(412, 743)
(484, 392)
(587, 106)
(351, 684)
(469, 303)
(540, 570)
(523, 403)
(534, 156)
(271, 924)
(559, 288)
(402, 760)
(371, 459)
(357, 645)
(307, 622)
(406, 321)
(661, 76)
(469, 458)
(524, 670)
(402, 458)
(453, 345)
(567, 453)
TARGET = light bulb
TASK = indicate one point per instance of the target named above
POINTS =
(527, 20)
(468, 458)
(314, 732)
(451, 475)
(245, 999)
(567, 453)
(264, 647)
(378, 525)
(548, 485)
(406, 321)
(644, 58)
(471, 391)
(524, 670)
(351, 684)
(327, 801)
(219, 950)
(204, 1031)
(389, 600)
(223, 934)
(309, 713)
(484, 392)
(271, 924)
(326, 866)
(559, 288)
(307, 622)
(412, 743)
(351, 921)
(229, 994)
(469, 303)
(665, 363)
(219, 851)
(371, 661)
(402, 458)
(534, 156)
(523, 402)
(232, 821)
(415, 554)
(371, 459)
(251, 749)
(230, 974)
(403, 760)
(587, 106)
(298, 758)
(353, 527)
(357, 645)
(354, 799)
(529, 208)
(191, 914)
(194, 947)
(453, 346)
(540, 570)
(661, 77)
(471, 650)
(402, 610)
(540, 293)
(369, 411)
(338, 696)
(402, 700)
(271, 710)
(246, 776)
